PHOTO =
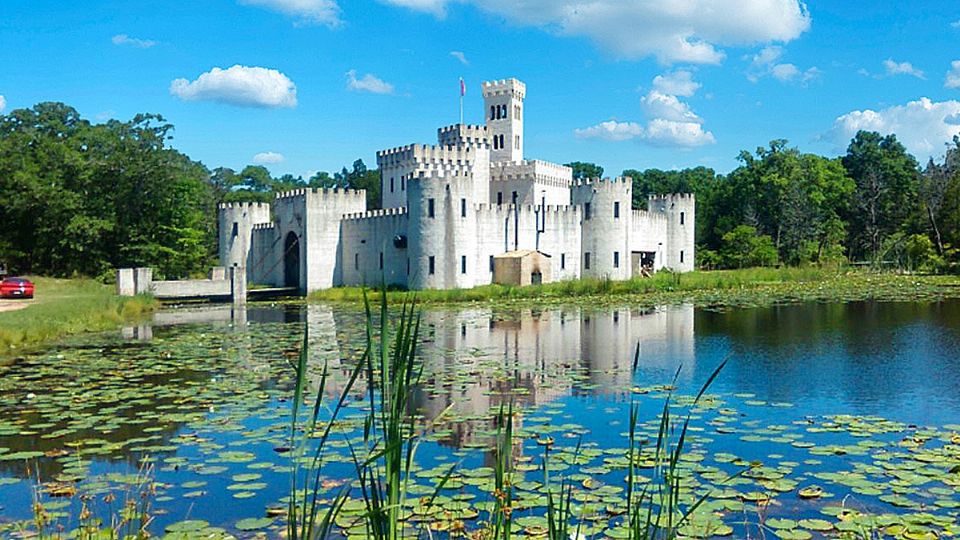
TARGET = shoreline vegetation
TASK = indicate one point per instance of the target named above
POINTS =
(64, 307)
(749, 287)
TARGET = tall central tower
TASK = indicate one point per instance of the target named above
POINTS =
(503, 106)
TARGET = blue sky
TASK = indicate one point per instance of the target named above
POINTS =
(306, 85)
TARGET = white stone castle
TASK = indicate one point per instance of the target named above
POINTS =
(468, 211)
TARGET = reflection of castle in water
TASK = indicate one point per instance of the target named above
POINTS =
(479, 358)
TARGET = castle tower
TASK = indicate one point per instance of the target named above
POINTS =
(607, 222)
(680, 209)
(236, 221)
(442, 232)
(503, 109)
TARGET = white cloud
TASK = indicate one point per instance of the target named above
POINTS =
(667, 107)
(3, 103)
(268, 157)
(368, 83)
(923, 126)
(661, 132)
(692, 31)
(239, 85)
(953, 76)
(123, 39)
(955, 24)
(901, 68)
(436, 7)
(325, 12)
(460, 56)
(767, 63)
(611, 130)
(672, 123)
(677, 83)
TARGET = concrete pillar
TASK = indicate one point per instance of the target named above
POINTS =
(125, 284)
(142, 280)
(218, 273)
(238, 285)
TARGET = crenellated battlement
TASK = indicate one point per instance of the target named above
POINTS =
(242, 205)
(542, 172)
(424, 152)
(509, 208)
(672, 196)
(264, 226)
(374, 214)
(463, 135)
(601, 183)
(325, 193)
(504, 87)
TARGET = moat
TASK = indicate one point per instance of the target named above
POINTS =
(861, 400)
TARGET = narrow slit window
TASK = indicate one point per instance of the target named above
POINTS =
(430, 208)
(356, 261)
(616, 210)
(463, 208)
(563, 261)
(616, 259)
(431, 263)
(586, 210)
(586, 260)
(391, 184)
(463, 264)
(681, 256)
(381, 260)
(681, 218)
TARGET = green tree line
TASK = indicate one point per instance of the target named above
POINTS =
(78, 198)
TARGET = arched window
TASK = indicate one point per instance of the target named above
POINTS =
(493, 112)
(501, 141)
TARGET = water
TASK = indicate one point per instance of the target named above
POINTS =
(202, 393)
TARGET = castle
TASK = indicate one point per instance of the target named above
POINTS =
(468, 211)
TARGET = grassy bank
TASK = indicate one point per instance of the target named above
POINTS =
(721, 288)
(63, 307)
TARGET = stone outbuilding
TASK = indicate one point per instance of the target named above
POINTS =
(521, 267)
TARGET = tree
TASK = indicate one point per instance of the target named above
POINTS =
(885, 198)
(743, 248)
(584, 171)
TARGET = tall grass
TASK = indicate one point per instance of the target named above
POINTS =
(64, 307)
(663, 281)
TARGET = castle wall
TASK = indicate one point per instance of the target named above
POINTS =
(649, 235)
(532, 180)
(235, 222)
(370, 254)
(607, 227)
(680, 210)
(398, 166)
(266, 256)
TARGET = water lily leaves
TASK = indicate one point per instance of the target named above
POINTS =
(253, 524)
(810, 492)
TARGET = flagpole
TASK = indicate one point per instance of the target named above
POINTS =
(461, 108)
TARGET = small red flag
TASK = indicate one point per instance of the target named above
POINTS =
(463, 88)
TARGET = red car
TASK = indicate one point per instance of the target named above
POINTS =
(16, 288)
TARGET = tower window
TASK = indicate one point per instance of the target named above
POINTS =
(381, 260)
(501, 140)
(563, 261)
(499, 197)
(431, 263)
(493, 113)
(403, 183)
(681, 218)
(236, 229)
(681, 256)
(616, 259)
(463, 264)
(586, 261)
(430, 209)
(516, 142)
(491, 263)
(391, 184)
(513, 199)
(516, 112)
(356, 261)
(616, 209)
(463, 208)
(586, 210)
